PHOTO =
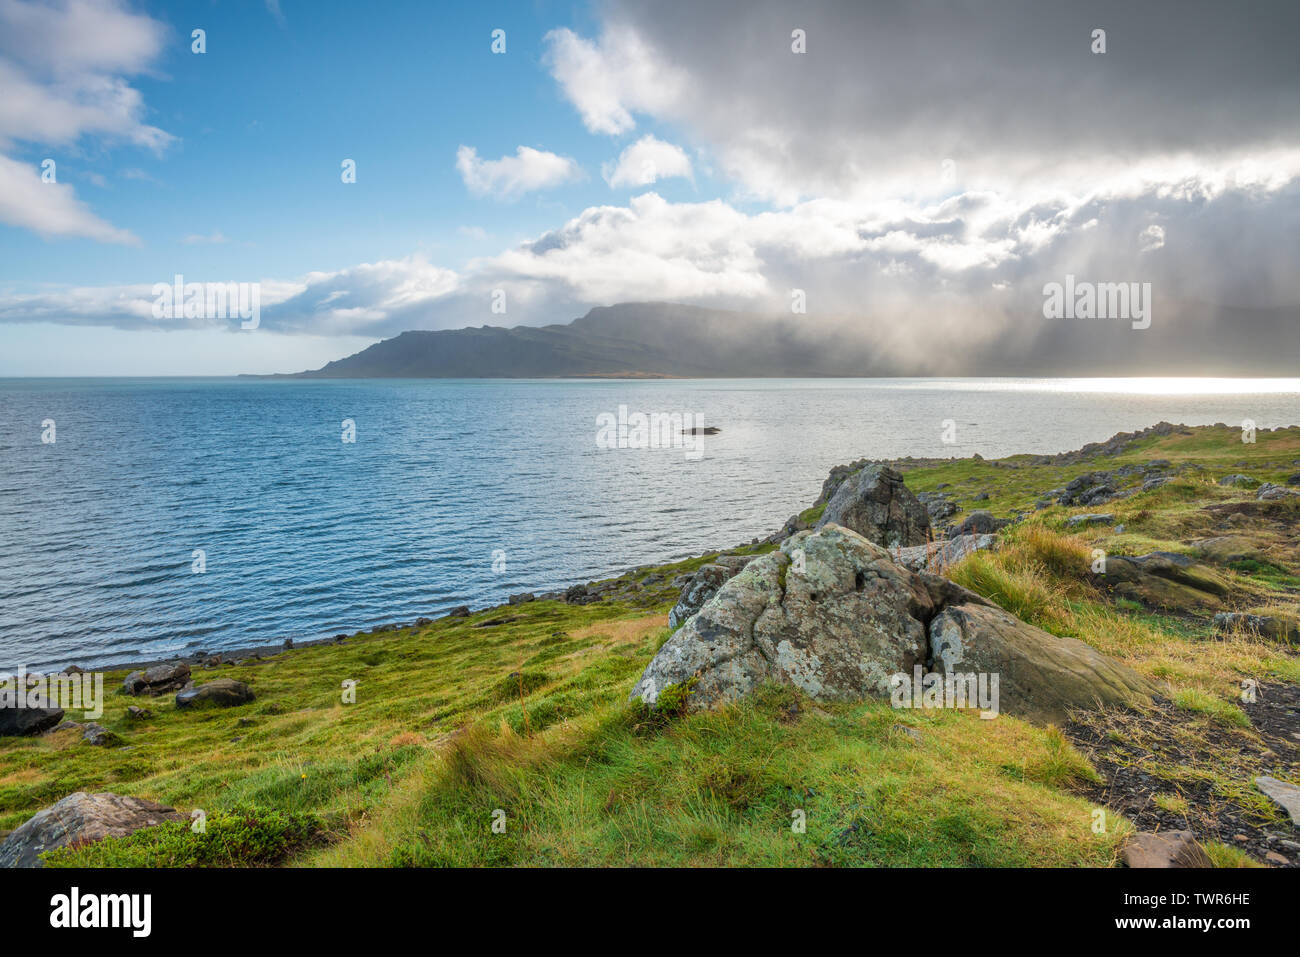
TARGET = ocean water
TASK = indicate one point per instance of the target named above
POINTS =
(454, 491)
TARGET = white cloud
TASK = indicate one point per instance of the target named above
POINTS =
(62, 68)
(215, 238)
(51, 209)
(1151, 238)
(609, 79)
(511, 176)
(646, 161)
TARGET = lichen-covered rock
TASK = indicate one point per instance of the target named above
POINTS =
(1165, 849)
(876, 504)
(1268, 492)
(1165, 580)
(830, 613)
(702, 586)
(833, 615)
(224, 692)
(941, 554)
(1284, 794)
(1272, 627)
(157, 680)
(80, 818)
(1041, 676)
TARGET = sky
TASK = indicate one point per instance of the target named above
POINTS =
(920, 168)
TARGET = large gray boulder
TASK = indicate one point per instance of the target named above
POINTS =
(224, 692)
(876, 504)
(1041, 676)
(704, 584)
(20, 722)
(79, 819)
(833, 615)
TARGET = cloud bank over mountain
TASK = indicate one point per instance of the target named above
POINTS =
(921, 171)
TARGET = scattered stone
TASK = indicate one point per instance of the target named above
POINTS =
(460, 611)
(876, 504)
(80, 818)
(1237, 480)
(99, 736)
(580, 595)
(1228, 548)
(138, 714)
(1075, 521)
(224, 692)
(1284, 794)
(522, 598)
(160, 679)
(1165, 849)
(1272, 627)
(980, 522)
(288, 644)
(1165, 580)
(1268, 492)
(704, 584)
(1273, 857)
(1293, 479)
(1096, 495)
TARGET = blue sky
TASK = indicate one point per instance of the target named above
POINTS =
(867, 156)
(264, 118)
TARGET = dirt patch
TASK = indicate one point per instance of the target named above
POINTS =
(1170, 769)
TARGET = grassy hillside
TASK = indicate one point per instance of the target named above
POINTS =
(522, 710)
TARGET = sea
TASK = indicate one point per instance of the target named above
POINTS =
(146, 518)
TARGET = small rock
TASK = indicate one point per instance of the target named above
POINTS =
(1236, 479)
(522, 598)
(1074, 521)
(980, 522)
(99, 736)
(1268, 492)
(1165, 849)
(1286, 796)
(1266, 626)
(1273, 857)
(460, 611)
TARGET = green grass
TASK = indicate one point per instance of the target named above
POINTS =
(249, 839)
